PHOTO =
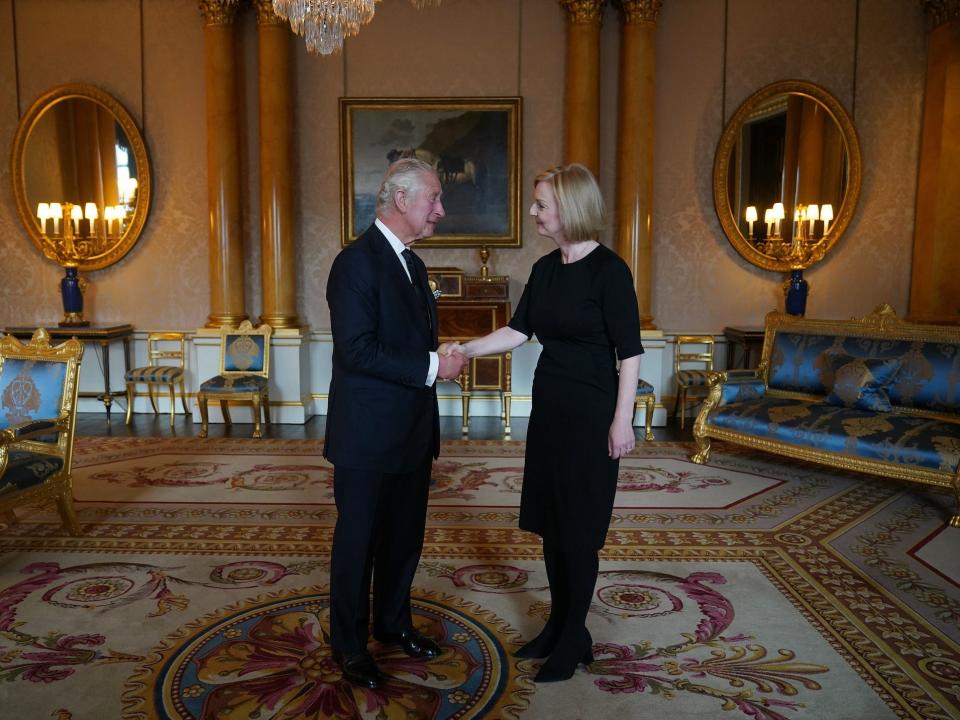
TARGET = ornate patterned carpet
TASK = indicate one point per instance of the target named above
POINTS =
(751, 588)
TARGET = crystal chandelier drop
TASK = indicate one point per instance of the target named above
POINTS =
(324, 24)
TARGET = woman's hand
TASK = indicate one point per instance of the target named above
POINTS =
(621, 438)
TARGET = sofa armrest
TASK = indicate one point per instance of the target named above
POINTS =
(32, 429)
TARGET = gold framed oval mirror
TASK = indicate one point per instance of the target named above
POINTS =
(786, 177)
(81, 177)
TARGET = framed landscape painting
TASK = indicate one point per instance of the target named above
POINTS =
(472, 143)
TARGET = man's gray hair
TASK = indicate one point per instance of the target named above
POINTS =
(404, 174)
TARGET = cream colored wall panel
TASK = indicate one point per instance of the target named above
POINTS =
(463, 47)
(163, 282)
(94, 41)
(811, 40)
(695, 272)
(316, 194)
(872, 263)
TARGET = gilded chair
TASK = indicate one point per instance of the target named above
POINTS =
(646, 399)
(244, 373)
(692, 362)
(38, 411)
(166, 354)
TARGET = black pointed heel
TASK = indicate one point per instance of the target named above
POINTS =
(541, 646)
(563, 663)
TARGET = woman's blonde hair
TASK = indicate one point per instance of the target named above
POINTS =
(578, 200)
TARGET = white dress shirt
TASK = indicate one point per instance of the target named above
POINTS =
(398, 248)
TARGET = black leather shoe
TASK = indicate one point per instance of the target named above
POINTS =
(413, 643)
(359, 669)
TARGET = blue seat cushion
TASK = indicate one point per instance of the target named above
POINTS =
(234, 383)
(154, 374)
(892, 437)
(644, 388)
(26, 469)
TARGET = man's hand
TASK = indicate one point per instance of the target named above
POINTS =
(448, 347)
(451, 364)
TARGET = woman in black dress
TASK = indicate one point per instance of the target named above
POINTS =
(581, 304)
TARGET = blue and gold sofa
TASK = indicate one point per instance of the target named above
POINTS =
(876, 395)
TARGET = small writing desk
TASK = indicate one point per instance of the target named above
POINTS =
(102, 336)
(473, 307)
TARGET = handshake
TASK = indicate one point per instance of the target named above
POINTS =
(452, 357)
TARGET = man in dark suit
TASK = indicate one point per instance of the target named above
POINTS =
(383, 429)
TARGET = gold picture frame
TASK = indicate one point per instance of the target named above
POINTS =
(472, 142)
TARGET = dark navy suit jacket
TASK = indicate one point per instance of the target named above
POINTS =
(380, 417)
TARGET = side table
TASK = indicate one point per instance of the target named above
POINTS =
(102, 336)
(481, 306)
(749, 342)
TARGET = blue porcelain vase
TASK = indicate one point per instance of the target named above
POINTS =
(72, 296)
(796, 293)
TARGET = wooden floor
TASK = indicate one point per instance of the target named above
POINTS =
(148, 425)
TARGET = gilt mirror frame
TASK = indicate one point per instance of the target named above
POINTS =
(724, 156)
(26, 208)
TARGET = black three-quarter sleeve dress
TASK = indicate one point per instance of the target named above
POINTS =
(585, 316)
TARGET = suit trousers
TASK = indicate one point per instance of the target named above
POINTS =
(379, 535)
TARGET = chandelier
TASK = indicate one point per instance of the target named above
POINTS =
(324, 24)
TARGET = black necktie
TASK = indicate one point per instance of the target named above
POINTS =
(415, 280)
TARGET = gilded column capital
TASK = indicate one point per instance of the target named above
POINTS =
(637, 12)
(266, 15)
(942, 11)
(219, 12)
(583, 12)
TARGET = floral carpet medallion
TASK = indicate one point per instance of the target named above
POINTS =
(270, 658)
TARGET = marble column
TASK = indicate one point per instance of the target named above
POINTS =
(582, 93)
(227, 300)
(634, 189)
(934, 288)
(277, 251)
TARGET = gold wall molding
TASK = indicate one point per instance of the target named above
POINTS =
(219, 12)
(583, 12)
(636, 12)
(266, 15)
(942, 11)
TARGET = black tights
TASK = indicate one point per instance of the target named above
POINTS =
(565, 638)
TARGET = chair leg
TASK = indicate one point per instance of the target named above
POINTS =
(225, 409)
(202, 404)
(153, 399)
(648, 420)
(266, 407)
(183, 398)
(257, 432)
(130, 387)
(173, 403)
(682, 394)
(67, 514)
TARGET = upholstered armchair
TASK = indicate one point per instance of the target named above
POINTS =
(38, 410)
(244, 374)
